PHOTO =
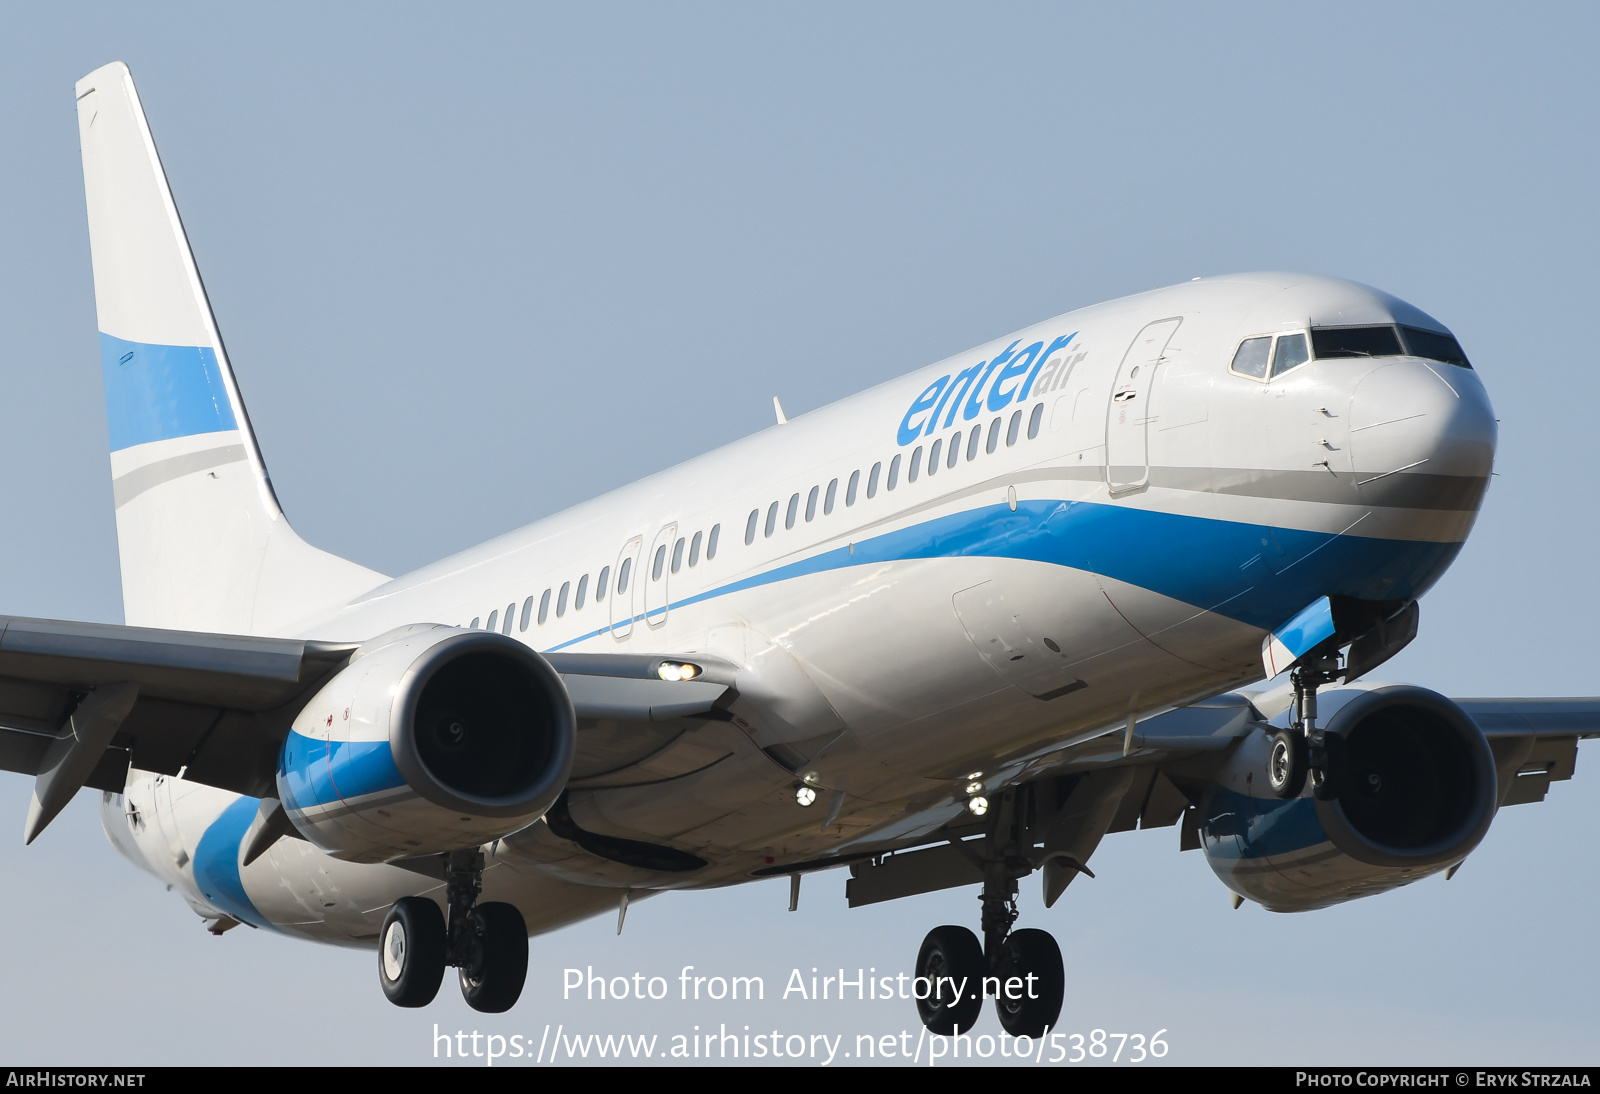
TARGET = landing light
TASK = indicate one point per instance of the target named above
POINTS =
(975, 787)
(677, 670)
(805, 795)
(977, 806)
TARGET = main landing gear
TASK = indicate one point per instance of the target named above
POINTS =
(1304, 750)
(487, 942)
(1020, 970)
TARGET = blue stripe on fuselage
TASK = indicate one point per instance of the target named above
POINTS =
(154, 393)
(216, 862)
(1215, 565)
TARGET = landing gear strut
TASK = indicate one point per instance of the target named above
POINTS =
(1305, 749)
(487, 942)
(1022, 970)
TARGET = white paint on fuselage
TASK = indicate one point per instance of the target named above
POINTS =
(885, 651)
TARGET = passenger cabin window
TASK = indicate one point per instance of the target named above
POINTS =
(894, 473)
(561, 599)
(850, 491)
(622, 578)
(659, 564)
(872, 481)
(544, 607)
(694, 551)
(474, 624)
(582, 594)
(1034, 419)
(972, 442)
(811, 504)
(772, 519)
(677, 555)
(916, 465)
(494, 617)
(505, 628)
(527, 614)
(827, 502)
(1011, 430)
(750, 527)
(789, 513)
(600, 585)
(994, 437)
(711, 543)
(955, 449)
(933, 455)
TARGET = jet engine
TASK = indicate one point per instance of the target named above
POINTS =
(431, 739)
(1415, 792)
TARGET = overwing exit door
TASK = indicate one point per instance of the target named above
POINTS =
(657, 576)
(625, 593)
(1128, 413)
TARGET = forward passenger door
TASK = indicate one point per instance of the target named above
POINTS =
(1128, 413)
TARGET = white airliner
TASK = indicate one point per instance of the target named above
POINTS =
(949, 631)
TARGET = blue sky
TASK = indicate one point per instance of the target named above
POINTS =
(477, 263)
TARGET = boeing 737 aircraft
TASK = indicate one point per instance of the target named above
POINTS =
(950, 631)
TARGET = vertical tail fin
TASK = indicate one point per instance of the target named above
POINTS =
(203, 543)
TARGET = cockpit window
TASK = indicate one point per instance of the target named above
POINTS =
(1259, 358)
(1387, 341)
(1434, 346)
(1290, 353)
(1252, 357)
(1356, 342)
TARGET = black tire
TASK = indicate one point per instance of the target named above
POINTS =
(1027, 953)
(492, 983)
(1286, 763)
(411, 952)
(1327, 779)
(950, 953)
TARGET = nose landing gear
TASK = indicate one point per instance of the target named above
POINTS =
(1305, 750)
(488, 942)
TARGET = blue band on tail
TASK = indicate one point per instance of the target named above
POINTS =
(154, 392)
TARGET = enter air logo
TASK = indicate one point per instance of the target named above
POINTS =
(1012, 373)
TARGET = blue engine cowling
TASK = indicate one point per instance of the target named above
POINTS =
(431, 739)
(1418, 795)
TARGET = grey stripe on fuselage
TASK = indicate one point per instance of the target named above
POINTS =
(124, 488)
(1402, 490)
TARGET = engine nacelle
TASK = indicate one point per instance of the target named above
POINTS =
(1418, 794)
(432, 739)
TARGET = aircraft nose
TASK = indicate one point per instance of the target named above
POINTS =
(1408, 418)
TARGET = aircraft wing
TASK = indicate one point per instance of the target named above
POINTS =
(82, 702)
(1534, 739)
(1153, 774)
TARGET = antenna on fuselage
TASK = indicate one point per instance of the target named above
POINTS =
(777, 408)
